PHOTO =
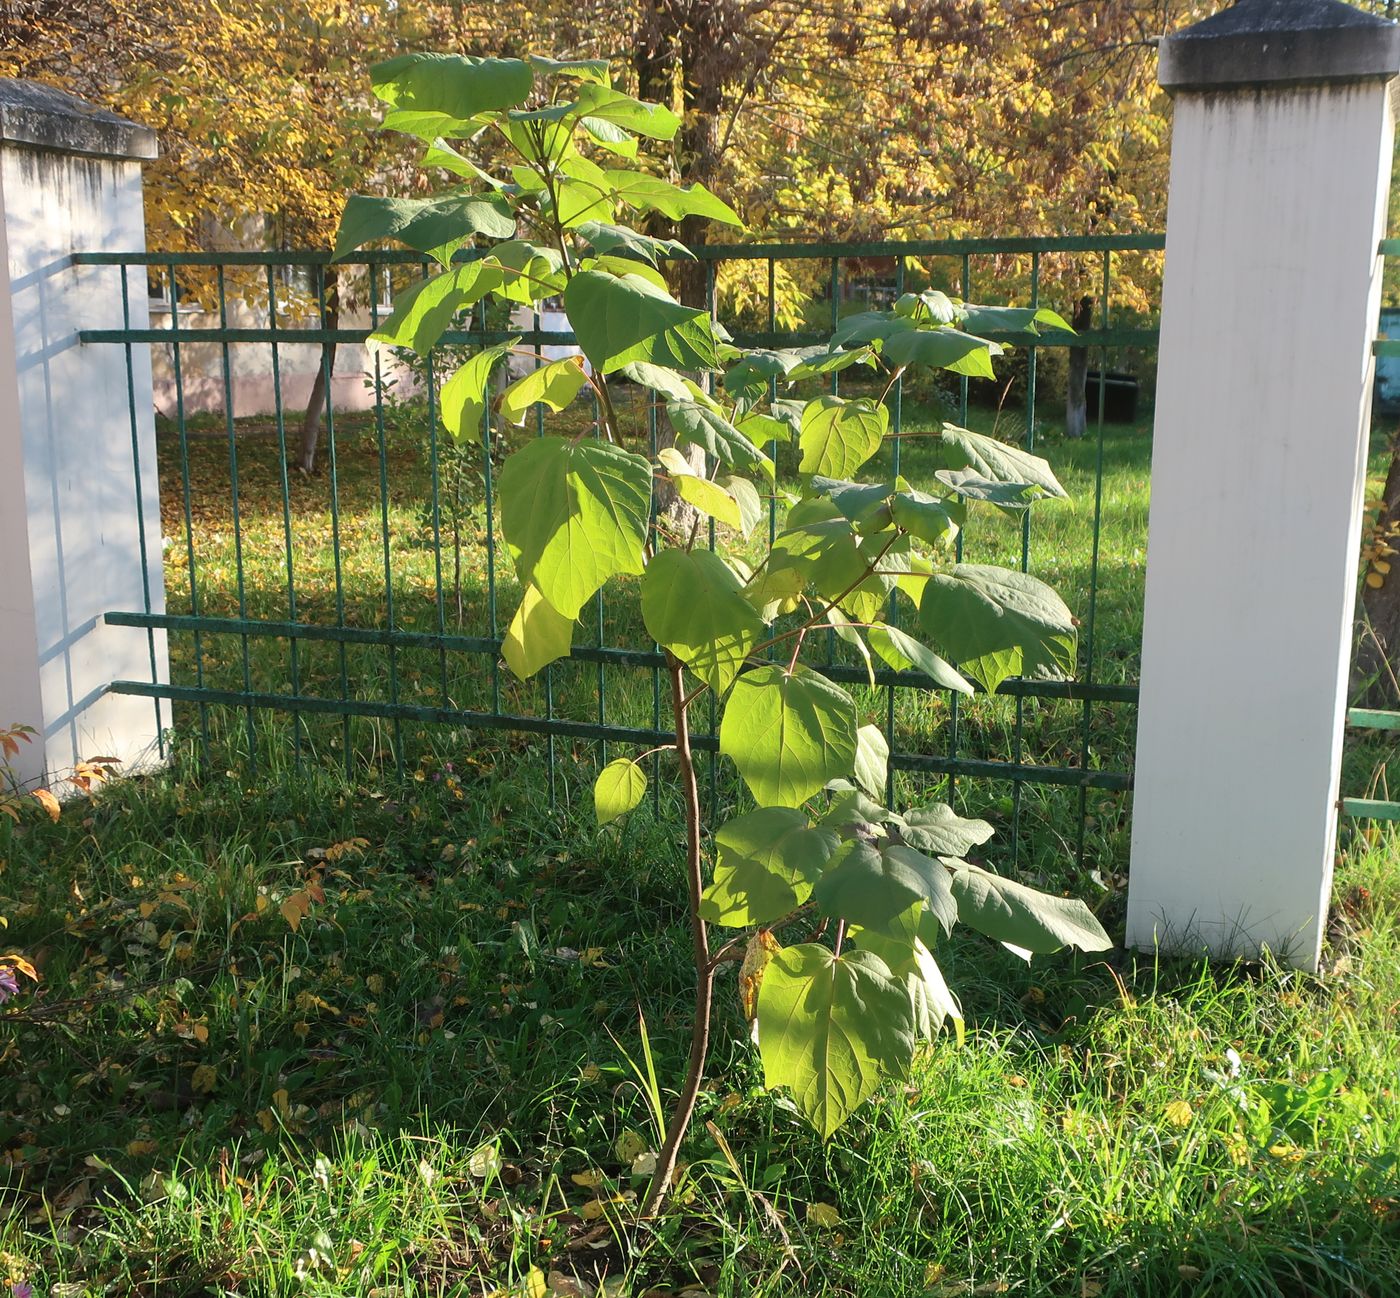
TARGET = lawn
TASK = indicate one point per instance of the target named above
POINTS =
(375, 496)
(339, 1038)
(386, 1031)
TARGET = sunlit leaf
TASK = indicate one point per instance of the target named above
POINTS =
(832, 1029)
(620, 786)
(788, 732)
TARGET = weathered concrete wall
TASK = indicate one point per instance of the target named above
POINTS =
(1269, 304)
(78, 483)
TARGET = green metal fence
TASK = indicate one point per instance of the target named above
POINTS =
(329, 619)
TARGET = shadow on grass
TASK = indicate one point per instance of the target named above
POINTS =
(397, 1018)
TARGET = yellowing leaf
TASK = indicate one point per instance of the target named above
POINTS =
(629, 1145)
(296, 908)
(1179, 1113)
(589, 1180)
(204, 1079)
(50, 803)
(823, 1215)
(761, 948)
(485, 1161)
(140, 1148)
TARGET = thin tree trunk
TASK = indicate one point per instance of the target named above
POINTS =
(1076, 403)
(704, 971)
(320, 395)
(1376, 674)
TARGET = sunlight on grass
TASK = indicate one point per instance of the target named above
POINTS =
(421, 1086)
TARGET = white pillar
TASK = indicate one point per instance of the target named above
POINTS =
(1280, 170)
(70, 495)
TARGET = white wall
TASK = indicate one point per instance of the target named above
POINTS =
(1269, 305)
(69, 539)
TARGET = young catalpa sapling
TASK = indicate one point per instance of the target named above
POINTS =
(873, 891)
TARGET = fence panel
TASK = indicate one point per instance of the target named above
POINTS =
(350, 614)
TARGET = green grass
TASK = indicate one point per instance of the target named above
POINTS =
(415, 1089)
(373, 497)
(369, 504)
(420, 1085)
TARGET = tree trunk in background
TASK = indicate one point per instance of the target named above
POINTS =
(1375, 680)
(320, 391)
(1076, 401)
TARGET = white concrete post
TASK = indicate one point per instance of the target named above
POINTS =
(1280, 169)
(74, 512)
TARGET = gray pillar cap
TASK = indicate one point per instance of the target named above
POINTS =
(42, 117)
(1280, 42)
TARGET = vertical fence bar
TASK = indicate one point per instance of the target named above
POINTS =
(332, 464)
(430, 381)
(293, 644)
(386, 553)
(1018, 787)
(954, 703)
(140, 504)
(897, 423)
(237, 515)
(1086, 669)
(489, 479)
(183, 432)
(551, 752)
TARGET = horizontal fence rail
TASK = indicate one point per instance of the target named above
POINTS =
(361, 606)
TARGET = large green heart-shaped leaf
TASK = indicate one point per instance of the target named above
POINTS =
(574, 514)
(1024, 917)
(435, 129)
(749, 375)
(619, 319)
(1012, 319)
(869, 326)
(872, 751)
(1010, 497)
(697, 424)
(832, 1029)
(766, 863)
(902, 652)
(929, 307)
(871, 886)
(422, 312)
(788, 732)
(708, 497)
(996, 460)
(909, 957)
(462, 400)
(599, 103)
(838, 435)
(865, 505)
(944, 349)
(455, 84)
(651, 194)
(596, 70)
(930, 518)
(997, 623)
(527, 272)
(538, 635)
(693, 604)
(553, 385)
(604, 238)
(940, 831)
(435, 226)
